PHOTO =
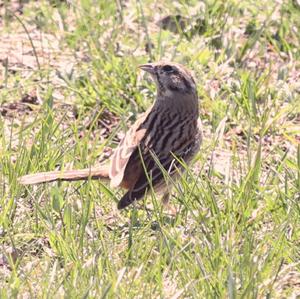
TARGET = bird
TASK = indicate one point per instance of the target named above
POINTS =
(166, 135)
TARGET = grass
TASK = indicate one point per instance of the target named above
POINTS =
(236, 233)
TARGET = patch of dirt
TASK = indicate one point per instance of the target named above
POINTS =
(287, 282)
(28, 103)
(17, 49)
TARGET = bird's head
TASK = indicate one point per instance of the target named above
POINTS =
(170, 77)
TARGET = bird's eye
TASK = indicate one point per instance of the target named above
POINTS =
(167, 68)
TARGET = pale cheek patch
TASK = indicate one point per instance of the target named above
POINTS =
(169, 93)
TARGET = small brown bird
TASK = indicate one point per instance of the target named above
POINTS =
(169, 131)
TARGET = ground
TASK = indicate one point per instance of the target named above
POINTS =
(70, 88)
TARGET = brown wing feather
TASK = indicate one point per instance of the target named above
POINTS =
(124, 151)
(155, 174)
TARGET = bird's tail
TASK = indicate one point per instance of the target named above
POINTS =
(66, 175)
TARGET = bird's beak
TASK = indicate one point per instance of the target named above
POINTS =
(149, 68)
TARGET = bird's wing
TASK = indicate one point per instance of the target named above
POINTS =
(153, 174)
(128, 145)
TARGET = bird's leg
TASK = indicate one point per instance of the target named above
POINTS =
(166, 198)
(166, 203)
